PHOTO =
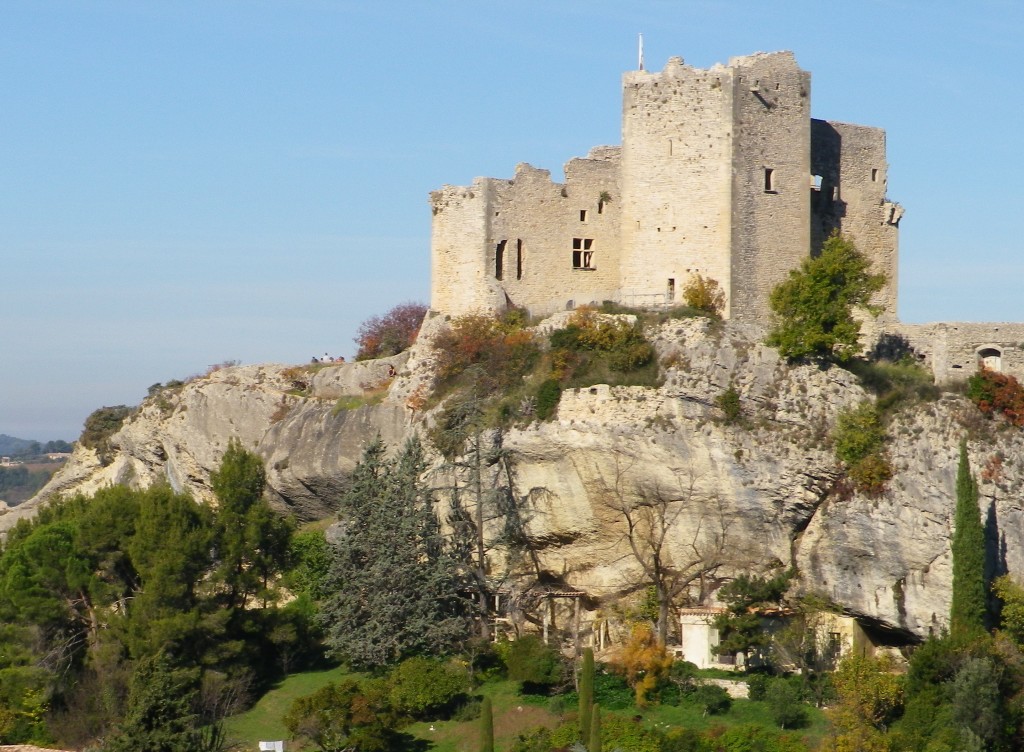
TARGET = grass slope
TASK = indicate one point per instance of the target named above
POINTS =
(513, 715)
(263, 722)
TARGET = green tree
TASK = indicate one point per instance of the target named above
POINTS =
(815, 306)
(160, 716)
(786, 704)
(968, 610)
(421, 686)
(486, 726)
(252, 541)
(594, 743)
(340, 716)
(395, 591)
(586, 692)
(740, 626)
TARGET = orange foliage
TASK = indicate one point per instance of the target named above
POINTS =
(644, 662)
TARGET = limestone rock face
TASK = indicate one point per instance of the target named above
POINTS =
(754, 493)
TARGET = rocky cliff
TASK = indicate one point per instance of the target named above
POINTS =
(757, 492)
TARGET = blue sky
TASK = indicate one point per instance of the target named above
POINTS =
(192, 182)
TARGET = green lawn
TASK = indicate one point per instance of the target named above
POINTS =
(263, 720)
(513, 715)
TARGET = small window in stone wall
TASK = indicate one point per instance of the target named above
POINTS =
(583, 215)
(582, 256)
(499, 259)
(769, 180)
(600, 206)
(670, 293)
(874, 175)
(519, 258)
(991, 358)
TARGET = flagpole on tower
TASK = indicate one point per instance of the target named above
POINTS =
(641, 52)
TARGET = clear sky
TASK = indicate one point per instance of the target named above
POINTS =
(184, 183)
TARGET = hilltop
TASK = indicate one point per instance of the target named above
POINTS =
(761, 483)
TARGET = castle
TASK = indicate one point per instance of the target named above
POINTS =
(721, 173)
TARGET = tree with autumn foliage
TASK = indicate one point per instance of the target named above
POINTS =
(390, 334)
(644, 662)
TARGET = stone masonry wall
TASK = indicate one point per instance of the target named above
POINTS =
(953, 351)
(771, 169)
(716, 176)
(558, 243)
(529, 241)
(851, 162)
(676, 180)
(458, 283)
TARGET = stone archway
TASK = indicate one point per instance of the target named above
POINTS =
(990, 358)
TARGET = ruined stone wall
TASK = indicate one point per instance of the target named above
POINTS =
(676, 180)
(851, 163)
(458, 283)
(953, 351)
(771, 176)
(529, 241)
(553, 245)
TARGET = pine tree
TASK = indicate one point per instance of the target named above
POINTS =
(486, 726)
(968, 611)
(395, 590)
(586, 693)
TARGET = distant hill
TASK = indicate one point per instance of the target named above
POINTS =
(10, 446)
(25, 448)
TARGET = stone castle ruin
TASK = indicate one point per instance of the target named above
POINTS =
(721, 173)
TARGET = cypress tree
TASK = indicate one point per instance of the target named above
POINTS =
(586, 694)
(595, 730)
(486, 726)
(968, 610)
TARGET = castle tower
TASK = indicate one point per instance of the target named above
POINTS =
(715, 179)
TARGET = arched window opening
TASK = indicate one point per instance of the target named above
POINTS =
(991, 358)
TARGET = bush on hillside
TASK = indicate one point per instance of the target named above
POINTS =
(390, 334)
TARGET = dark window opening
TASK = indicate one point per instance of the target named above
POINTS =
(499, 259)
(769, 180)
(600, 207)
(519, 259)
(583, 215)
(874, 175)
(582, 256)
(671, 294)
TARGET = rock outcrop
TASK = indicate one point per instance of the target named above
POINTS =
(755, 493)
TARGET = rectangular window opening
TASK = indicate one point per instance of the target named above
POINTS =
(600, 207)
(499, 259)
(769, 180)
(583, 215)
(874, 175)
(582, 256)
(519, 259)
(671, 293)
(815, 182)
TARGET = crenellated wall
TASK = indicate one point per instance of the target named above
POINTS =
(715, 177)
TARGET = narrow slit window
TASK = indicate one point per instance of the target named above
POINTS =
(874, 174)
(671, 292)
(583, 215)
(499, 259)
(600, 206)
(519, 259)
(769, 180)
